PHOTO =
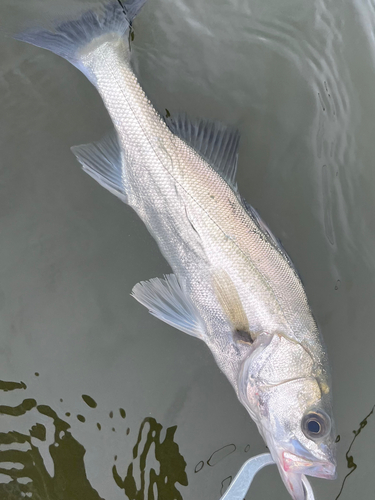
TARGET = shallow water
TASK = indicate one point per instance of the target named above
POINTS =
(110, 393)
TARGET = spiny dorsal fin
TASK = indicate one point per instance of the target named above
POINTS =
(215, 142)
(165, 299)
(104, 162)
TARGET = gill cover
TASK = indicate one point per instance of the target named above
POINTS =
(275, 361)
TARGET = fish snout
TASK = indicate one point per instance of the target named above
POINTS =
(292, 463)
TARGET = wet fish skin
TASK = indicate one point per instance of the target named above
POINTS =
(233, 287)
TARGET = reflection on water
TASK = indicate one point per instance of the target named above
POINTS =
(69, 481)
(149, 450)
(216, 457)
(29, 477)
(199, 466)
(220, 454)
(225, 483)
(349, 458)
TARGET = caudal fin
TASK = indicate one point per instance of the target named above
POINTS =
(70, 37)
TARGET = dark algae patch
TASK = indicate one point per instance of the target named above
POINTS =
(16, 411)
(69, 481)
(139, 480)
(171, 470)
(11, 386)
(38, 431)
(89, 401)
(349, 458)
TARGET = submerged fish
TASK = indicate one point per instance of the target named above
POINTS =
(234, 287)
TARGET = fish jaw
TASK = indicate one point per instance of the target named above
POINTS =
(294, 484)
(293, 465)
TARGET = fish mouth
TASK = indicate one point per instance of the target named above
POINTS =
(292, 464)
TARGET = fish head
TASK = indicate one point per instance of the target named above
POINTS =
(287, 394)
(298, 429)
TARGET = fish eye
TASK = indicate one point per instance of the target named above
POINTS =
(316, 425)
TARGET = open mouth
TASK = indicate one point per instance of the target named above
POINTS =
(297, 464)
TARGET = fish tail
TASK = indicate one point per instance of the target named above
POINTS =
(69, 38)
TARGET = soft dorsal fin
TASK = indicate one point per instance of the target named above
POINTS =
(165, 299)
(214, 141)
(267, 231)
(104, 162)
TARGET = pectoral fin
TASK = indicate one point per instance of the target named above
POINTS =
(165, 299)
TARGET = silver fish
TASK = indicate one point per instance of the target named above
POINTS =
(233, 286)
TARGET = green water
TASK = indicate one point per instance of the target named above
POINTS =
(100, 400)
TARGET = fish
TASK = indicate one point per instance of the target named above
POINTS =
(232, 285)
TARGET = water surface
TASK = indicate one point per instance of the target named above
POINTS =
(99, 400)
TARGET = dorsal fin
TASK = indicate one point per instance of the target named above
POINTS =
(215, 142)
(267, 231)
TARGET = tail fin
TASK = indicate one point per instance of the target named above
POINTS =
(70, 37)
